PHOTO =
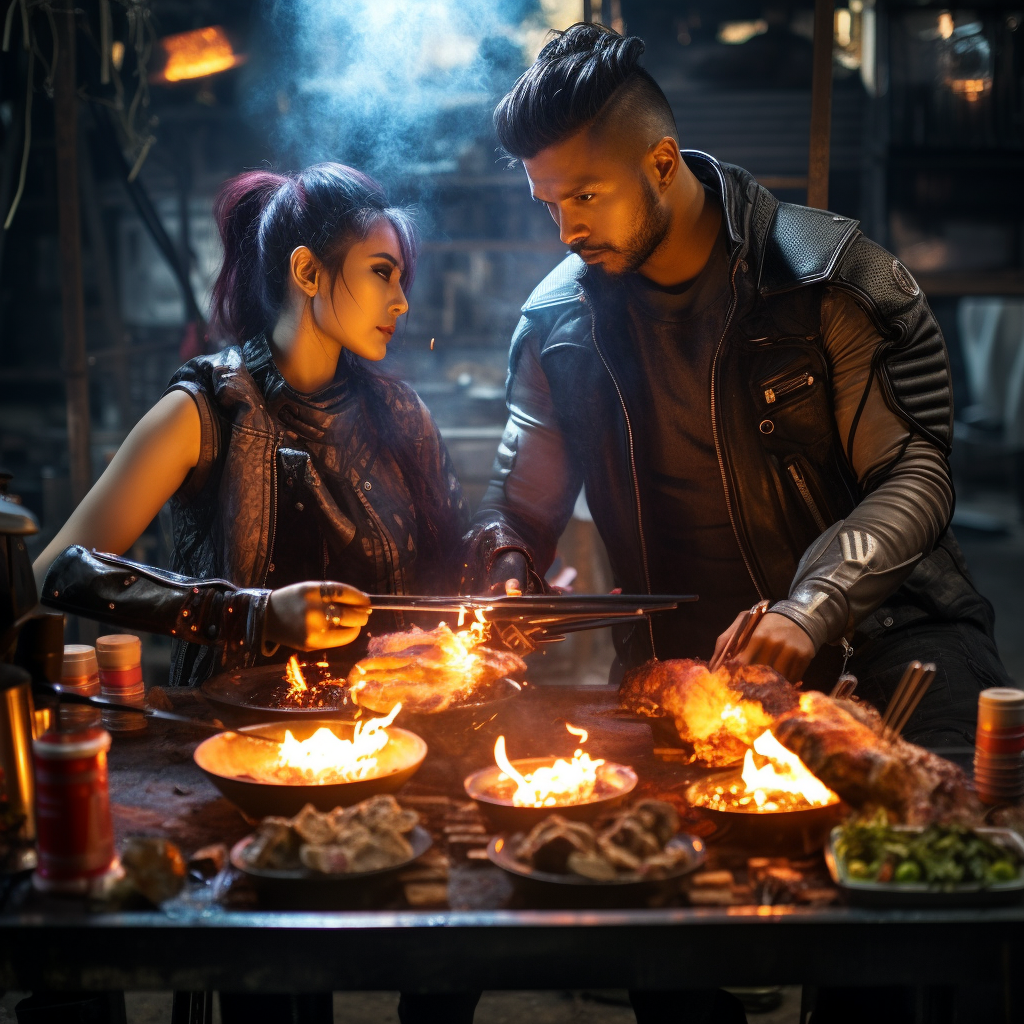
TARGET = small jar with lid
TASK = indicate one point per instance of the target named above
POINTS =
(120, 662)
(80, 674)
(75, 830)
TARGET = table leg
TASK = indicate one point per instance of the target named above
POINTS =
(192, 1008)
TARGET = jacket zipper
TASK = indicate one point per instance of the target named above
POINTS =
(805, 492)
(714, 433)
(772, 394)
(632, 465)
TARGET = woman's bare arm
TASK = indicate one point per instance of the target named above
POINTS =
(148, 468)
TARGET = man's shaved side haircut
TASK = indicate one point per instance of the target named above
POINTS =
(586, 75)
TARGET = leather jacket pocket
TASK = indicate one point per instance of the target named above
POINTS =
(805, 487)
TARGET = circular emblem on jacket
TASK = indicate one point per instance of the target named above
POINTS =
(904, 281)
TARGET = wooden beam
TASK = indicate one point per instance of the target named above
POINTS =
(821, 105)
(65, 111)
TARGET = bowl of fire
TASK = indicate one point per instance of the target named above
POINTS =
(323, 762)
(775, 823)
(516, 800)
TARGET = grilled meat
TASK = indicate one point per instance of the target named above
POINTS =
(428, 671)
(840, 743)
(720, 713)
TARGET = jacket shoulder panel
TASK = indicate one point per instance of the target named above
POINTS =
(803, 246)
(561, 285)
(915, 363)
(876, 275)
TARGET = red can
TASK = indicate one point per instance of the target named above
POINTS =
(75, 831)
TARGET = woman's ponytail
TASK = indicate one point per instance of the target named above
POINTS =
(239, 305)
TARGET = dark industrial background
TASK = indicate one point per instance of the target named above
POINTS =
(927, 150)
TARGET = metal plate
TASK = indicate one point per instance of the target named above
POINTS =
(888, 894)
(249, 694)
(419, 839)
(499, 852)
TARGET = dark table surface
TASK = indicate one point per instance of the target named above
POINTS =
(468, 924)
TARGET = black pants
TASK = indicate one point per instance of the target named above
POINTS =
(966, 660)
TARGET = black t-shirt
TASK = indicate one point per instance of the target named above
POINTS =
(691, 545)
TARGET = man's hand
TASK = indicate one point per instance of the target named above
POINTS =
(312, 616)
(778, 642)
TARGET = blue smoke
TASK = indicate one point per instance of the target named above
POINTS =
(395, 87)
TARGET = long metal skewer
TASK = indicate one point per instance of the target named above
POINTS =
(68, 697)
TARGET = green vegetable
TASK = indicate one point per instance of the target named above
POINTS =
(1002, 871)
(908, 872)
(859, 870)
(943, 856)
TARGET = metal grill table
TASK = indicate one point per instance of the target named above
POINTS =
(194, 944)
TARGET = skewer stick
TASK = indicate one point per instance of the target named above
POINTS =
(924, 681)
(899, 697)
(741, 636)
(68, 697)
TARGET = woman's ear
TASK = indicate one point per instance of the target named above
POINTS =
(305, 270)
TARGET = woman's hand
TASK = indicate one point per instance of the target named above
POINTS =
(313, 616)
(777, 641)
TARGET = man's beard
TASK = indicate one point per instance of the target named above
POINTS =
(651, 229)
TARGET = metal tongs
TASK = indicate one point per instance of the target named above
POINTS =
(913, 686)
(526, 621)
(740, 636)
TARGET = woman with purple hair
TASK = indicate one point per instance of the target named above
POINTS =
(287, 459)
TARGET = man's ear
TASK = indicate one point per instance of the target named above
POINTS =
(305, 270)
(664, 161)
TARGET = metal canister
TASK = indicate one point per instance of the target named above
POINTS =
(80, 674)
(16, 721)
(76, 833)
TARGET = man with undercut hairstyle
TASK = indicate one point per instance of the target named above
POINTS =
(754, 395)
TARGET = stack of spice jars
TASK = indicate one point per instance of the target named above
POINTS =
(80, 674)
(120, 659)
(999, 746)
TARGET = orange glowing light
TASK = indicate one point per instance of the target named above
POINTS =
(556, 785)
(296, 680)
(197, 54)
(326, 758)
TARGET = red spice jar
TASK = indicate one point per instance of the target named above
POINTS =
(73, 824)
(120, 658)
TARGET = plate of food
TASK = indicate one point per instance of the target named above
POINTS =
(878, 864)
(346, 846)
(639, 846)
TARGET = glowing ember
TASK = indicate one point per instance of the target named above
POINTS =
(557, 785)
(325, 758)
(196, 54)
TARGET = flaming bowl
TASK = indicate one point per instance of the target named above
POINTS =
(493, 795)
(228, 759)
(799, 831)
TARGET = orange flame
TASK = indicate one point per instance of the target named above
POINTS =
(557, 785)
(326, 758)
(783, 772)
(296, 680)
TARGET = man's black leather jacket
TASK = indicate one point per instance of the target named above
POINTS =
(832, 419)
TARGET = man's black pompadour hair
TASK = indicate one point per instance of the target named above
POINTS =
(567, 86)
